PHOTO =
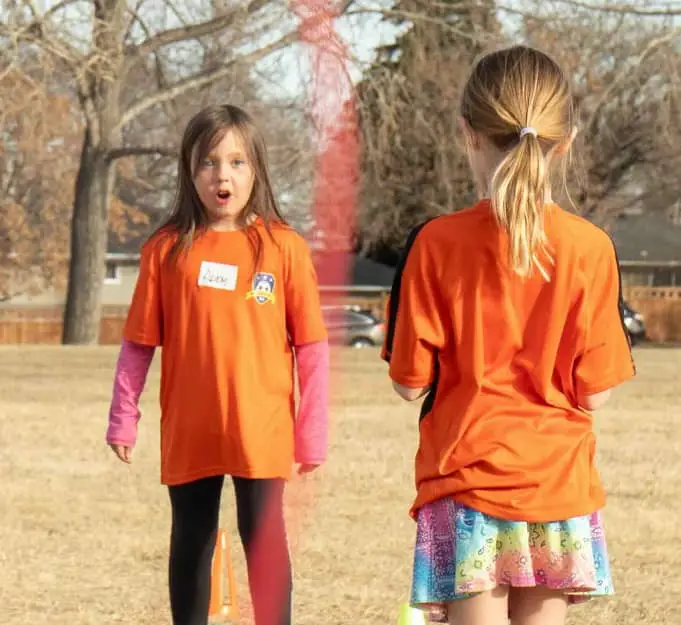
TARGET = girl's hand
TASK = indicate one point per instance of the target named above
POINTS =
(123, 452)
(304, 469)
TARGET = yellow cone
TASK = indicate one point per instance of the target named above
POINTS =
(411, 616)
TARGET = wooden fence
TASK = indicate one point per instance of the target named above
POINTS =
(44, 326)
(661, 308)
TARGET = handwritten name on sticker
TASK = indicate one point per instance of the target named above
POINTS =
(218, 276)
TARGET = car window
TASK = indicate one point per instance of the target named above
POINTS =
(356, 318)
(334, 317)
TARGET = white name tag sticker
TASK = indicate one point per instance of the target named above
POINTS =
(218, 276)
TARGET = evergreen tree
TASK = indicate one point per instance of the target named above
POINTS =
(413, 166)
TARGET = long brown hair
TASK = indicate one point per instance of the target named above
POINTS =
(510, 90)
(188, 217)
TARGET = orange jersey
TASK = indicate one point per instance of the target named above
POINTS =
(506, 358)
(227, 329)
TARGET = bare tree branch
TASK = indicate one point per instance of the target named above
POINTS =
(418, 17)
(202, 79)
(141, 150)
(48, 13)
(626, 72)
(194, 31)
(135, 18)
(622, 8)
(37, 32)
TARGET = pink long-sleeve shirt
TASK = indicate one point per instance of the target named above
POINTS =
(311, 427)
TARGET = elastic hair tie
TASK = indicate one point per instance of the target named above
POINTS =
(528, 131)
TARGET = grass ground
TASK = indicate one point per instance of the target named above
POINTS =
(83, 538)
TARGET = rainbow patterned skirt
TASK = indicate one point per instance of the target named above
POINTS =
(460, 552)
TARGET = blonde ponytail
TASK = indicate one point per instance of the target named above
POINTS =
(506, 89)
(518, 191)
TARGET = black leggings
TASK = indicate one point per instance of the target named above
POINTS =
(260, 516)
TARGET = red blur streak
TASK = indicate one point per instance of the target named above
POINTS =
(332, 108)
(334, 210)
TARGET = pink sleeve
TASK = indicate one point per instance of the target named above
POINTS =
(312, 422)
(133, 365)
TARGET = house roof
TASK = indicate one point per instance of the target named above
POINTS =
(646, 237)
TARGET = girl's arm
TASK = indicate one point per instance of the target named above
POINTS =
(409, 393)
(594, 402)
(312, 421)
(416, 319)
(308, 334)
(133, 365)
(605, 359)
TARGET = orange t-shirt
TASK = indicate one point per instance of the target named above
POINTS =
(227, 330)
(506, 359)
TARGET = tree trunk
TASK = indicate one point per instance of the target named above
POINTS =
(89, 230)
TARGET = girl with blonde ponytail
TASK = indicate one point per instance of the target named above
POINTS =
(505, 317)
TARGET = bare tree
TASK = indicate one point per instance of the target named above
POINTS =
(102, 45)
(38, 158)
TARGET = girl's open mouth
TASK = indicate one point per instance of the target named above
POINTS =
(223, 196)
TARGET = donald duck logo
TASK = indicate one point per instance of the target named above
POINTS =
(263, 288)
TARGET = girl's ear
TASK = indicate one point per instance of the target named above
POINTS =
(564, 146)
(470, 136)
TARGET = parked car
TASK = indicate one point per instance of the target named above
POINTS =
(634, 324)
(353, 326)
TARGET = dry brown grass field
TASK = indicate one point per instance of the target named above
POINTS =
(83, 538)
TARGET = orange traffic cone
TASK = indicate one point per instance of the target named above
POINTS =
(223, 605)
